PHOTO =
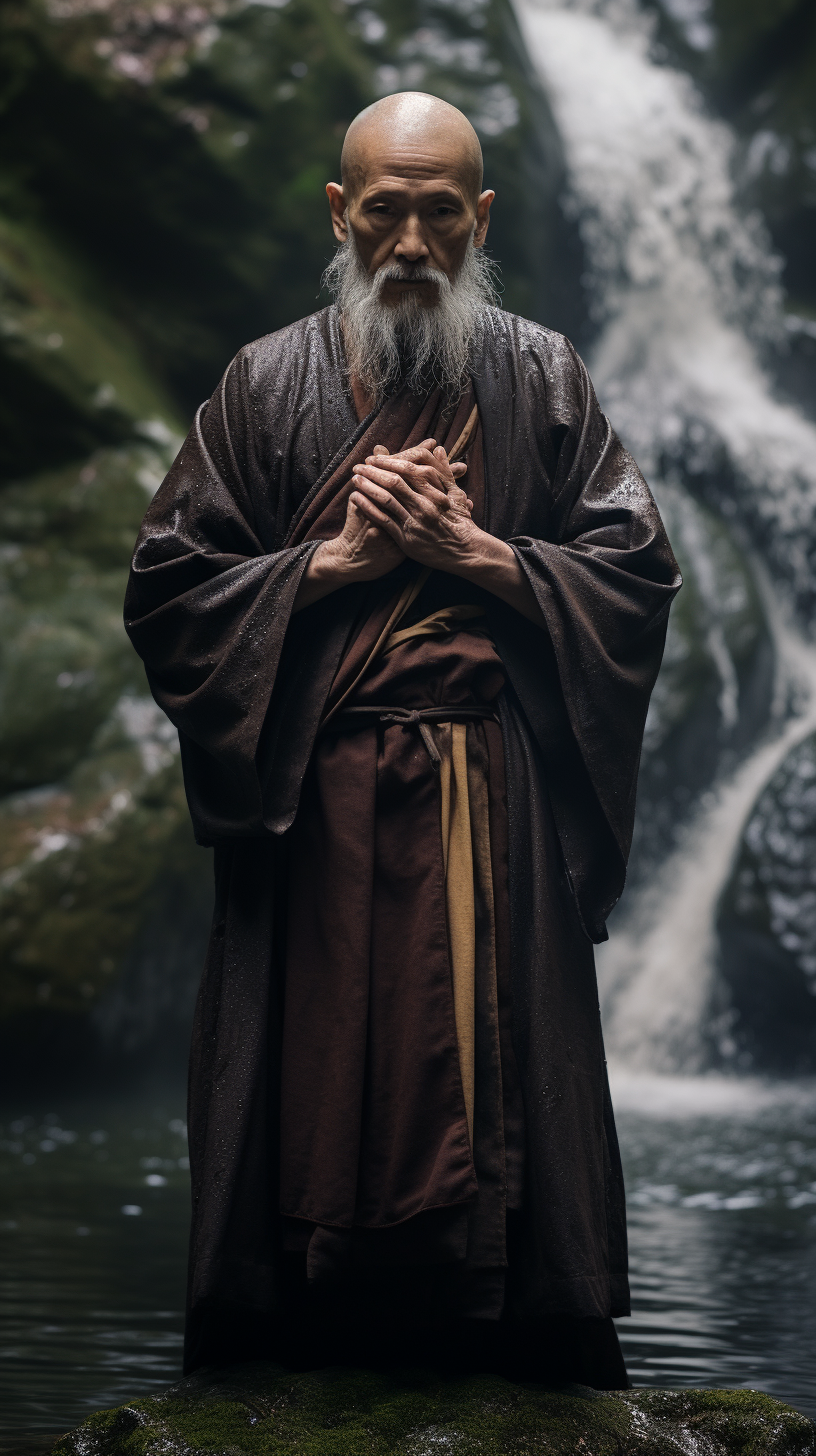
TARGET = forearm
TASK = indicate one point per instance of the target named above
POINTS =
(492, 564)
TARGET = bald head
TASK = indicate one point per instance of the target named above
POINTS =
(411, 197)
(415, 132)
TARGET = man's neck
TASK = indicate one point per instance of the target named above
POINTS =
(363, 401)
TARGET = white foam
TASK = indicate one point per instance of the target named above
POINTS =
(704, 1096)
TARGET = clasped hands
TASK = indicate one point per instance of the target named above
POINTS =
(411, 505)
(403, 505)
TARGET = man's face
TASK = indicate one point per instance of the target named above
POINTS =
(411, 204)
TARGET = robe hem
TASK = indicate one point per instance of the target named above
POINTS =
(375, 1227)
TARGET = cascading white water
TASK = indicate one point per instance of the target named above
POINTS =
(683, 285)
(656, 971)
(685, 292)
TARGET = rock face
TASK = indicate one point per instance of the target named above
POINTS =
(261, 1409)
(767, 925)
(713, 695)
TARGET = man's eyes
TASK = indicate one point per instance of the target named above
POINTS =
(383, 209)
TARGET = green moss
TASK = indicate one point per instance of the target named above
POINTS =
(261, 1411)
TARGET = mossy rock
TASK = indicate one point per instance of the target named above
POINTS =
(262, 1409)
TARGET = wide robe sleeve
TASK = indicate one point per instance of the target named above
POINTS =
(604, 576)
(209, 609)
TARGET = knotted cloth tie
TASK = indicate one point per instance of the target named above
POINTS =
(351, 719)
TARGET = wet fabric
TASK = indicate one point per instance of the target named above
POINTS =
(387, 1115)
(209, 608)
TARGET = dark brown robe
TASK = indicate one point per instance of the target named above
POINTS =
(392, 1153)
(209, 608)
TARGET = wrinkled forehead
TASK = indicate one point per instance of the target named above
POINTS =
(415, 156)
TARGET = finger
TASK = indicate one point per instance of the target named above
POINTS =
(447, 467)
(402, 475)
(387, 502)
(422, 454)
(436, 460)
(459, 501)
(354, 515)
(380, 449)
(376, 517)
(405, 483)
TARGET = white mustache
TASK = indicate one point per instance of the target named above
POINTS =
(409, 273)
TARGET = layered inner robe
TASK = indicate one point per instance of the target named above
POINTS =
(401, 1119)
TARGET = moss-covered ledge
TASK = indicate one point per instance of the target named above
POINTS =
(263, 1411)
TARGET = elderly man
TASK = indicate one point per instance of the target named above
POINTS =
(405, 595)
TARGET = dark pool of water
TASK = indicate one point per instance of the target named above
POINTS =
(722, 1227)
(722, 1221)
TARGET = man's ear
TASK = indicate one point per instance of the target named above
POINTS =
(482, 218)
(337, 203)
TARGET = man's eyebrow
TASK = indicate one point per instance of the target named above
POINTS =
(440, 192)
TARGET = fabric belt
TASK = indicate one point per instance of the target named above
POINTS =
(352, 719)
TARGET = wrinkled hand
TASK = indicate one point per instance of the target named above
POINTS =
(371, 544)
(414, 497)
(362, 551)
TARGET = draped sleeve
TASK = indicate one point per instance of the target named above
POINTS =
(209, 609)
(603, 573)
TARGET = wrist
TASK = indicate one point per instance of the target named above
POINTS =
(478, 553)
(331, 564)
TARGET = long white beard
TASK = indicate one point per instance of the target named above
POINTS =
(412, 343)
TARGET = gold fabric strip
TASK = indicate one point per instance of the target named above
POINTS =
(479, 808)
(457, 853)
(467, 434)
(436, 625)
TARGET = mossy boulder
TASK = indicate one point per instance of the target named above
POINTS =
(263, 1411)
(103, 895)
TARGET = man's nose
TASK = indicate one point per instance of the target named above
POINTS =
(411, 245)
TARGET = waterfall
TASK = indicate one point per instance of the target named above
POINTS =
(657, 970)
(685, 293)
